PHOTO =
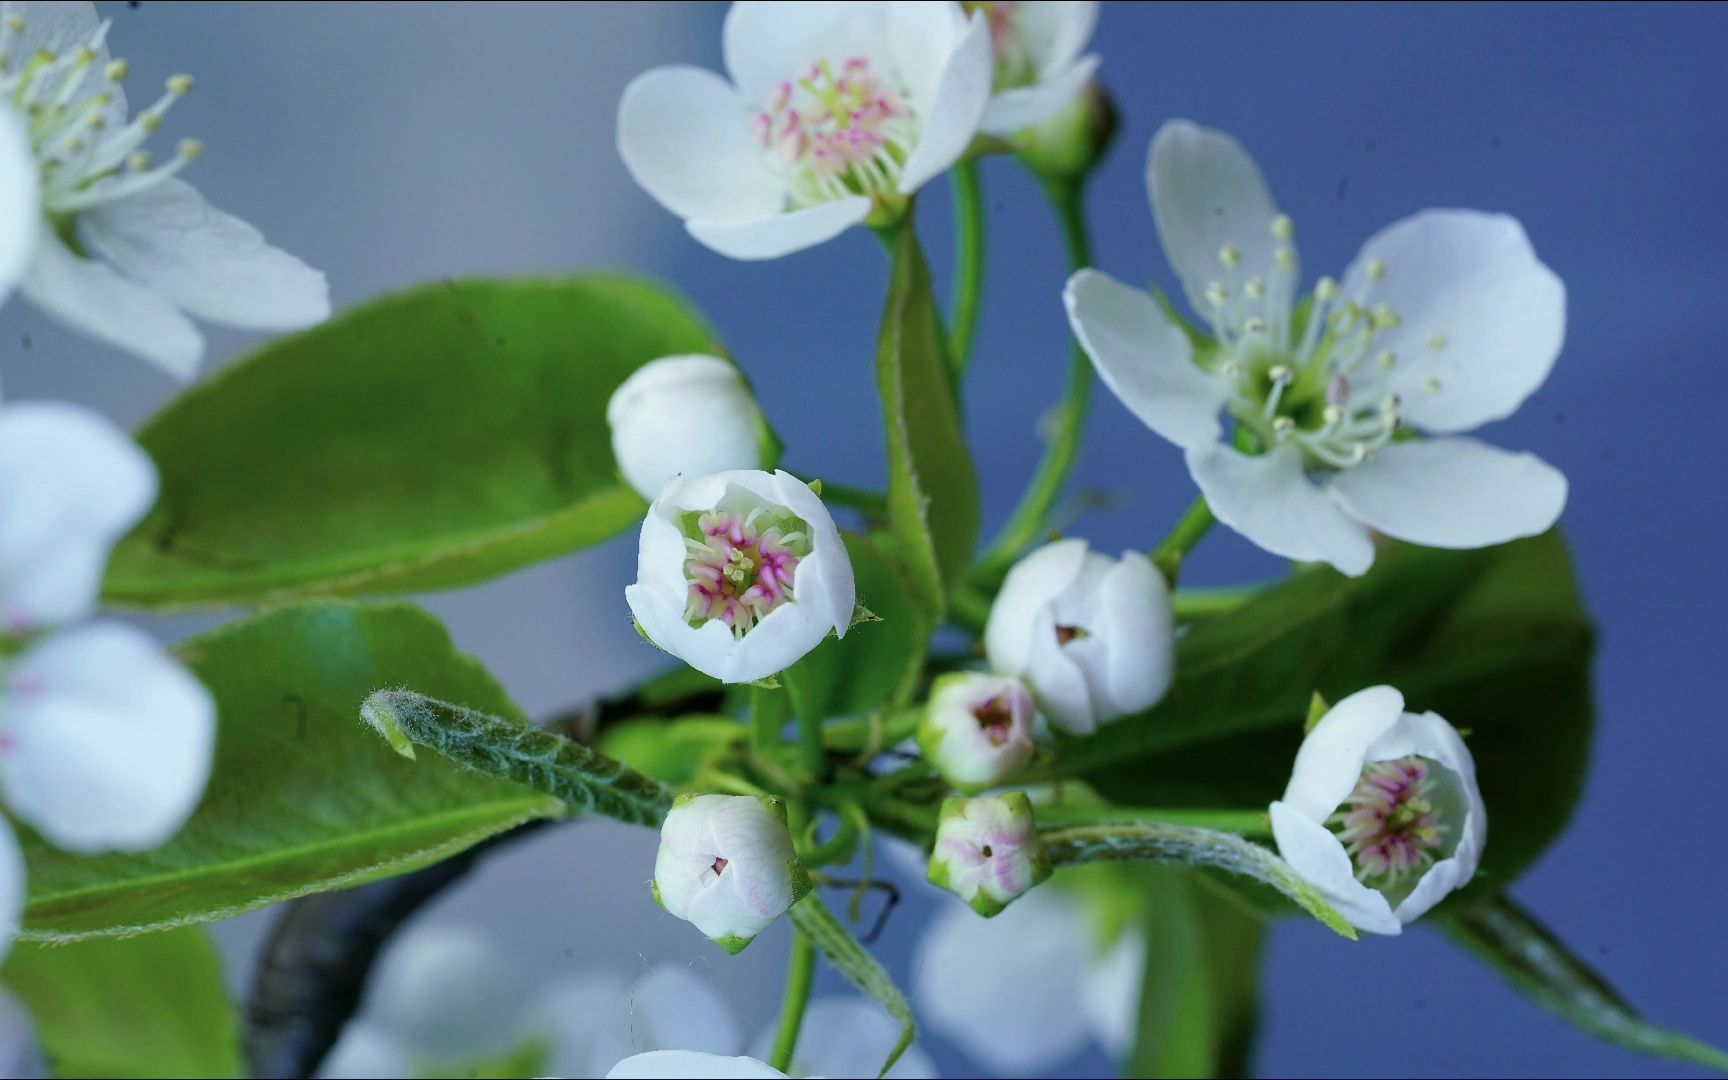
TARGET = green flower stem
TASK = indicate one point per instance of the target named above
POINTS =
(968, 189)
(837, 848)
(769, 710)
(812, 756)
(800, 977)
(1195, 523)
(1026, 526)
(1252, 823)
(1195, 604)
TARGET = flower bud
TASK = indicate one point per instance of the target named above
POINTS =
(684, 415)
(1094, 637)
(740, 574)
(726, 864)
(1073, 142)
(977, 729)
(987, 850)
(1382, 815)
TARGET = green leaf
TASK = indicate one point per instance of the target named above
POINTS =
(1077, 845)
(1494, 640)
(671, 751)
(303, 796)
(1199, 998)
(1541, 967)
(816, 922)
(876, 662)
(933, 510)
(507, 748)
(432, 439)
(143, 1006)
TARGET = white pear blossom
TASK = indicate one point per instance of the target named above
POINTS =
(848, 1036)
(1040, 71)
(977, 729)
(687, 1065)
(741, 573)
(684, 415)
(1382, 814)
(1032, 987)
(1094, 637)
(727, 866)
(834, 115)
(97, 234)
(1446, 320)
(105, 741)
(987, 850)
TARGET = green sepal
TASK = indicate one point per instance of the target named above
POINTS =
(1317, 710)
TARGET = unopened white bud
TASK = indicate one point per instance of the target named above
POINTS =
(726, 864)
(684, 415)
(987, 851)
(977, 729)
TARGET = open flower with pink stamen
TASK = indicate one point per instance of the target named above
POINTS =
(835, 114)
(1382, 814)
(741, 573)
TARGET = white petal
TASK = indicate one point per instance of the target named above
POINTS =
(109, 740)
(777, 234)
(1137, 626)
(1028, 106)
(1208, 192)
(1270, 500)
(825, 577)
(366, 1051)
(684, 1065)
(71, 484)
(767, 43)
(20, 203)
(1055, 31)
(1112, 994)
(1322, 862)
(1033, 583)
(54, 26)
(1009, 990)
(957, 106)
(12, 887)
(1453, 493)
(89, 297)
(848, 1036)
(576, 1013)
(1329, 762)
(685, 136)
(1473, 277)
(1145, 359)
(446, 992)
(671, 1008)
(921, 38)
(208, 263)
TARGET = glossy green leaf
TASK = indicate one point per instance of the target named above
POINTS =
(1494, 640)
(1199, 997)
(853, 960)
(1530, 957)
(933, 507)
(153, 1005)
(303, 796)
(428, 440)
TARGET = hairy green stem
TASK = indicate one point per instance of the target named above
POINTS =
(1026, 525)
(1193, 526)
(968, 188)
(800, 977)
(1241, 822)
(814, 922)
(769, 710)
(1195, 604)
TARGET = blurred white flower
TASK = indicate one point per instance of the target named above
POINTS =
(1446, 320)
(847, 1036)
(105, 741)
(1093, 636)
(1032, 987)
(685, 1065)
(1039, 70)
(741, 573)
(977, 729)
(726, 864)
(444, 1002)
(95, 233)
(987, 850)
(684, 415)
(835, 114)
(1382, 814)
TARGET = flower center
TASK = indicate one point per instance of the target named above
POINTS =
(1390, 824)
(741, 566)
(1310, 375)
(719, 866)
(837, 135)
(996, 719)
(66, 105)
(1015, 66)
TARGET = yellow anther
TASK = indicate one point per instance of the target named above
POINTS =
(180, 85)
(1326, 290)
(1229, 256)
(190, 149)
(116, 70)
(1376, 269)
(1283, 228)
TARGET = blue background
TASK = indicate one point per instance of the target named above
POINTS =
(388, 144)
